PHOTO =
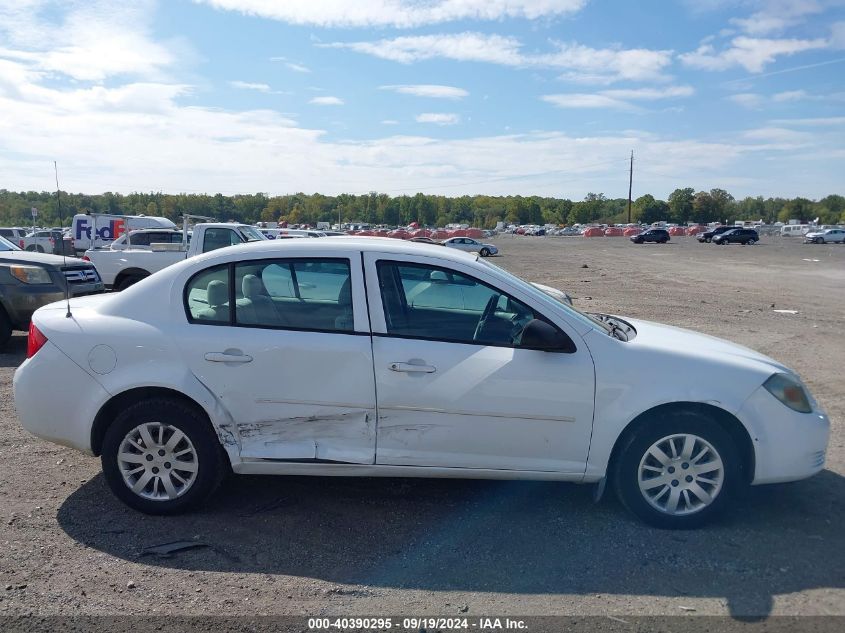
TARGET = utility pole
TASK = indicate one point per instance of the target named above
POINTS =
(630, 185)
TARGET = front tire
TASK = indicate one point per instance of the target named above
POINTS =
(5, 328)
(125, 282)
(484, 252)
(160, 456)
(678, 471)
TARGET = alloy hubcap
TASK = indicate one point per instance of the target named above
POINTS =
(157, 461)
(681, 474)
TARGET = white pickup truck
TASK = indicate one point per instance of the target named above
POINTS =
(120, 268)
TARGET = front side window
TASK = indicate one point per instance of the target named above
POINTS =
(436, 303)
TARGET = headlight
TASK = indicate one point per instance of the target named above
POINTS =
(30, 274)
(789, 391)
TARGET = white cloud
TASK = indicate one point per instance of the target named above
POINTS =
(396, 13)
(91, 42)
(617, 99)
(438, 118)
(753, 54)
(327, 101)
(428, 90)
(246, 85)
(580, 100)
(775, 16)
(814, 122)
(749, 100)
(777, 135)
(390, 122)
(791, 95)
(580, 63)
(297, 68)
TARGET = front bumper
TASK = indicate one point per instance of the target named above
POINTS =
(788, 445)
(21, 300)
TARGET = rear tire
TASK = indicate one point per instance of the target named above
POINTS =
(40, 249)
(30, 248)
(125, 282)
(193, 467)
(648, 487)
(708, 240)
(5, 328)
(751, 242)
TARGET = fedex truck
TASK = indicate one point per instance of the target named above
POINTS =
(97, 230)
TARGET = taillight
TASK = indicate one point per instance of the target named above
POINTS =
(20, 243)
(35, 341)
(85, 258)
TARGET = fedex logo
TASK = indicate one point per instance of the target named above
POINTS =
(111, 231)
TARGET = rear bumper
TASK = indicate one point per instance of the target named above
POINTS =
(42, 402)
(788, 445)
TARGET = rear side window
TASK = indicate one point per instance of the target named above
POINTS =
(219, 238)
(207, 296)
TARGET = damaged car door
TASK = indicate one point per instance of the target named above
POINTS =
(283, 346)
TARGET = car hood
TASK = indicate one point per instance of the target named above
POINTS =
(696, 345)
(29, 257)
(814, 234)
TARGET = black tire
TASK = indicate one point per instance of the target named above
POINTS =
(751, 242)
(211, 462)
(40, 249)
(664, 241)
(5, 328)
(821, 240)
(708, 239)
(128, 280)
(31, 248)
(625, 469)
(484, 252)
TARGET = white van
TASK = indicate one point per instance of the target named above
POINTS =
(98, 230)
(795, 230)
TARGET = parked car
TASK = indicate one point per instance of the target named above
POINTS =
(660, 236)
(374, 357)
(746, 237)
(470, 245)
(823, 237)
(424, 240)
(29, 280)
(50, 241)
(14, 234)
(707, 236)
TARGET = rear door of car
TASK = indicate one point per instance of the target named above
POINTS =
(284, 344)
(451, 396)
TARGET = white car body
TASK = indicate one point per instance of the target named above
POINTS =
(367, 403)
(470, 245)
(826, 236)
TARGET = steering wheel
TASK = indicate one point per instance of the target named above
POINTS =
(489, 309)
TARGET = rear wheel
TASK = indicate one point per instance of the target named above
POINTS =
(751, 242)
(31, 248)
(708, 240)
(160, 456)
(677, 472)
(40, 249)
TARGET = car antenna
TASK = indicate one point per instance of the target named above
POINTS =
(64, 254)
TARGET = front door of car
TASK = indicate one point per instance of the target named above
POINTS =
(456, 389)
(287, 352)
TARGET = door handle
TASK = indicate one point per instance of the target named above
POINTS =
(227, 357)
(411, 368)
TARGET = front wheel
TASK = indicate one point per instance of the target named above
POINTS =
(125, 282)
(160, 456)
(5, 328)
(678, 472)
(484, 252)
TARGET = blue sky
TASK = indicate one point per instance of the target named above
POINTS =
(451, 97)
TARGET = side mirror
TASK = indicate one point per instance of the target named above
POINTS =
(542, 336)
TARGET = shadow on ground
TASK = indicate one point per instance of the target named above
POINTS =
(510, 537)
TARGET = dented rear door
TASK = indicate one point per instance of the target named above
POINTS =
(293, 394)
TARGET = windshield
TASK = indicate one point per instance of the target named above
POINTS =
(252, 234)
(537, 293)
(6, 245)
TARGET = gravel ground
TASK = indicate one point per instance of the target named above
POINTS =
(311, 546)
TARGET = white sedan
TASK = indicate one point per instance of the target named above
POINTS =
(373, 357)
(471, 246)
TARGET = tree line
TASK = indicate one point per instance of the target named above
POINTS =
(682, 206)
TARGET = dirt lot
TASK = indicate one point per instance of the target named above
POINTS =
(313, 546)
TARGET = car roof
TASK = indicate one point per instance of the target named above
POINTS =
(342, 244)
